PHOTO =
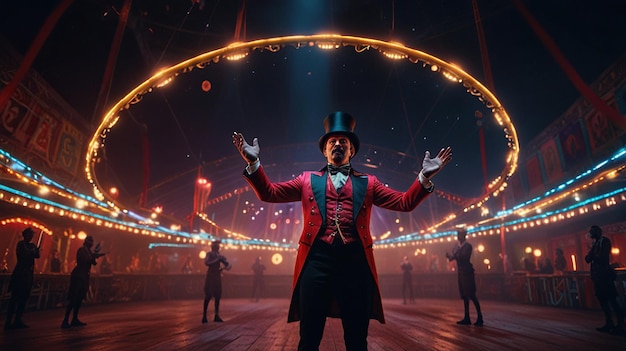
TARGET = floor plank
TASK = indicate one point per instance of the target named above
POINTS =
(428, 324)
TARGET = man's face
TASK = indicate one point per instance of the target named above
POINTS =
(338, 150)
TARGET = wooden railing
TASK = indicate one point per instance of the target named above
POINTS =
(571, 290)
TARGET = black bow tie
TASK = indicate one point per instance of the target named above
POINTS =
(345, 169)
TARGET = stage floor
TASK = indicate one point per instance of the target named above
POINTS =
(429, 324)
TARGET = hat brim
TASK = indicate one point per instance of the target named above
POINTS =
(353, 139)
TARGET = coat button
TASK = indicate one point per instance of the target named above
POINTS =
(308, 235)
(310, 198)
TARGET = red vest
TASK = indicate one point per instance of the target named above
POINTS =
(339, 210)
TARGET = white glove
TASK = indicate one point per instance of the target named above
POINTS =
(250, 153)
(430, 166)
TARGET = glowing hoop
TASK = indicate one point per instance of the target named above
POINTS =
(237, 51)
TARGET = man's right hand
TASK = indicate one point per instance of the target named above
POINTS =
(250, 153)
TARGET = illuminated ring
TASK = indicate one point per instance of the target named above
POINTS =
(238, 51)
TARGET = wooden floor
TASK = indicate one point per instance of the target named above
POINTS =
(426, 325)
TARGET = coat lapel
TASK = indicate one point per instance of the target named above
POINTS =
(359, 187)
(318, 185)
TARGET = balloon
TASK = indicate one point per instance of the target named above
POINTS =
(206, 86)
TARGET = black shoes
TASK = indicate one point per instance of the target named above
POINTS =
(464, 321)
(618, 330)
(467, 321)
(609, 327)
(606, 328)
(19, 325)
(75, 323)
(78, 323)
(216, 319)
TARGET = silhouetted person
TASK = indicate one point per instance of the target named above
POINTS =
(527, 265)
(21, 279)
(188, 265)
(505, 263)
(105, 266)
(55, 263)
(157, 265)
(559, 262)
(335, 271)
(213, 283)
(257, 278)
(603, 276)
(407, 282)
(546, 267)
(135, 264)
(539, 265)
(434, 264)
(79, 281)
(462, 253)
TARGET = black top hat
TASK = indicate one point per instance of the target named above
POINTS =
(340, 123)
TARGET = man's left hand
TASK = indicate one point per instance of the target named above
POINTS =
(430, 166)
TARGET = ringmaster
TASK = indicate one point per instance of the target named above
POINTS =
(335, 273)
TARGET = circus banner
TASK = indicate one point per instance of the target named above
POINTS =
(13, 115)
(69, 148)
(26, 126)
(533, 174)
(551, 161)
(600, 130)
(42, 138)
(572, 145)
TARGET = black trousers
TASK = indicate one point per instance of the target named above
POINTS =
(338, 274)
(17, 303)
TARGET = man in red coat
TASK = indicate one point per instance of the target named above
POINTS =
(335, 274)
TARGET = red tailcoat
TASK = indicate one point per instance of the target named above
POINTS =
(310, 189)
